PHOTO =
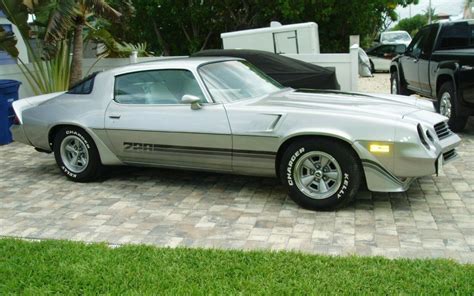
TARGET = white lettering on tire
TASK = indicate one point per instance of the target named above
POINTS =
(63, 168)
(345, 184)
(69, 132)
(289, 168)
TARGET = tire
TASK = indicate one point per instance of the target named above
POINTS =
(395, 86)
(76, 155)
(341, 173)
(447, 106)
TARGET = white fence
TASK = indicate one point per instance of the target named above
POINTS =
(346, 65)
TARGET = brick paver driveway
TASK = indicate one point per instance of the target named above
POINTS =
(435, 218)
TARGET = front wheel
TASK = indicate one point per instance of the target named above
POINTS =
(447, 106)
(321, 174)
(396, 88)
(76, 154)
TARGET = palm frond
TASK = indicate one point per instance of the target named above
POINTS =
(113, 48)
(102, 9)
(61, 19)
(8, 43)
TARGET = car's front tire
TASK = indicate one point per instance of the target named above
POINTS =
(448, 107)
(320, 173)
(76, 154)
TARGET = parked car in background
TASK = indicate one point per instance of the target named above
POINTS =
(394, 37)
(225, 115)
(381, 56)
(439, 64)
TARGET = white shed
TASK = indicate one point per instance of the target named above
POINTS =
(282, 39)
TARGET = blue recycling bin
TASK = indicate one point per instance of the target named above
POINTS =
(8, 94)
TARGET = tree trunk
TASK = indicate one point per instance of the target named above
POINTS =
(77, 53)
(161, 40)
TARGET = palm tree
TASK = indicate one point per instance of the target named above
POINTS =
(72, 15)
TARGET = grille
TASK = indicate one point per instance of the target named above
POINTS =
(442, 130)
(449, 155)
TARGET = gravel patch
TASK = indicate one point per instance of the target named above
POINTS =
(380, 83)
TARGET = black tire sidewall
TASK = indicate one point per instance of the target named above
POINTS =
(94, 160)
(456, 122)
(348, 163)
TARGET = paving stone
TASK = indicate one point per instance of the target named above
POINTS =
(433, 219)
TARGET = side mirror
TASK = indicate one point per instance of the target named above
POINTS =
(193, 100)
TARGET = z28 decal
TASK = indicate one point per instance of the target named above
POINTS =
(149, 148)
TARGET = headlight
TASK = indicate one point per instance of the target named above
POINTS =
(421, 134)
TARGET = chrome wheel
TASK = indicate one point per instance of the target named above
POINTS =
(394, 87)
(445, 104)
(317, 175)
(74, 154)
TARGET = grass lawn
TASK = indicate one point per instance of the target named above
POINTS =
(76, 268)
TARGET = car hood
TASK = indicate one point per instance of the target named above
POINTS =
(380, 105)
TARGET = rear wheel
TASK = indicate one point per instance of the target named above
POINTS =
(321, 174)
(76, 154)
(448, 107)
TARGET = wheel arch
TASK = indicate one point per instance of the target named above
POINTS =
(107, 157)
(290, 140)
(442, 79)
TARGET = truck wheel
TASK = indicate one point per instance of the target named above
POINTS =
(321, 174)
(447, 106)
(396, 88)
(76, 154)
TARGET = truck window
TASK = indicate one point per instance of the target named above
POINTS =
(416, 46)
(455, 36)
(471, 28)
(429, 41)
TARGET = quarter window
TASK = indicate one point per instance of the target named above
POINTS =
(156, 87)
(83, 87)
(456, 36)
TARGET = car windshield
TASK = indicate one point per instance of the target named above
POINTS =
(395, 36)
(237, 80)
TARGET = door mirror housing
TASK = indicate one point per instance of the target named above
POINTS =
(193, 100)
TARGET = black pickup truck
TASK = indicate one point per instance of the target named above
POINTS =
(439, 64)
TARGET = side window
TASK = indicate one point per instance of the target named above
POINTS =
(414, 49)
(430, 39)
(400, 48)
(455, 36)
(84, 86)
(471, 28)
(156, 87)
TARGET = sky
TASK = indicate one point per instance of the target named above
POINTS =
(451, 7)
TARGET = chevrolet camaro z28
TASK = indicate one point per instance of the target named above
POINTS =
(224, 115)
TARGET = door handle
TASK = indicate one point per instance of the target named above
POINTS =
(114, 116)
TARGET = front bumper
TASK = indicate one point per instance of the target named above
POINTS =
(409, 160)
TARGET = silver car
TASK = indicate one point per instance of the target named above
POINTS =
(224, 115)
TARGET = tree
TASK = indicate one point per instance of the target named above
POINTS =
(73, 15)
(413, 24)
(184, 26)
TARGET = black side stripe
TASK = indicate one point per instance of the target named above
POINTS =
(373, 165)
(147, 148)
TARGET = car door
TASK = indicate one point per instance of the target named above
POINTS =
(382, 57)
(410, 60)
(425, 60)
(147, 123)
